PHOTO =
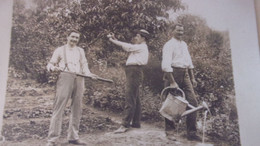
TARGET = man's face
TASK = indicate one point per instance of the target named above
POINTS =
(137, 39)
(73, 38)
(178, 32)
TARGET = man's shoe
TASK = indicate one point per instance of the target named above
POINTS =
(121, 129)
(76, 142)
(194, 137)
(51, 144)
(136, 125)
(170, 135)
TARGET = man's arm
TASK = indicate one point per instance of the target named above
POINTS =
(192, 78)
(126, 46)
(84, 62)
(167, 58)
(166, 64)
(52, 64)
(85, 68)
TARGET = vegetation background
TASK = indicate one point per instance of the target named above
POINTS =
(41, 27)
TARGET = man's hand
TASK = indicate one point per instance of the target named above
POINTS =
(111, 36)
(93, 76)
(51, 67)
(194, 83)
(174, 85)
(168, 76)
(192, 78)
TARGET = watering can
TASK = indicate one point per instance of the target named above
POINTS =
(175, 104)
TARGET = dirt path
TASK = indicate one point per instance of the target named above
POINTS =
(26, 123)
(148, 135)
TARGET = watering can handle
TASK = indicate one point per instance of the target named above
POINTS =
(169, 87)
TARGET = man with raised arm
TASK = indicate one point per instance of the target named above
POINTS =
(138, 57)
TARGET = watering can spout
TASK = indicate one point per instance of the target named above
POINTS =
(205, 105)
(175, 104)
(194, 109)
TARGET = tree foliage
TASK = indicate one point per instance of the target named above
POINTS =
(48, 21)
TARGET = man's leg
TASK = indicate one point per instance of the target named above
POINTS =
(178, 77)
(64, 89)
(137, 113)
(168, 124)
(130, 102)
(76, 109)
(191, 98)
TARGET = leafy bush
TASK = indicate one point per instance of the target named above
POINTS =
(104, 95)
(221, 128)
(153, 75)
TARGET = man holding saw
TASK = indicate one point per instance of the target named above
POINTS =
(70, 60)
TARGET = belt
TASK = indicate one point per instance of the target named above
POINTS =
(134, 65)
(179, 68)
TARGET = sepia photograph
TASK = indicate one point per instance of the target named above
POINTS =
(122, 72)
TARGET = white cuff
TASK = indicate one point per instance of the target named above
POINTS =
(167, 69)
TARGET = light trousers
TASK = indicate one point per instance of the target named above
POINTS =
(69, 86)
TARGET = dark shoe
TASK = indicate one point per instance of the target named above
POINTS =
(136, 125)
(51, 144)
(194, 137)
(170, 135)
(77, 142)
(121, 129)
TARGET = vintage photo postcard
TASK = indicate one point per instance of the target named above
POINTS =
(130, 72)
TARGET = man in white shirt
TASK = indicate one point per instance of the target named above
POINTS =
(178, 73)
(68, 58)
(137, 58)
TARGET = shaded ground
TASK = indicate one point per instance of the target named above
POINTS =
(28, 110)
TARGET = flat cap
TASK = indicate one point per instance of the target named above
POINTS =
(144, 33)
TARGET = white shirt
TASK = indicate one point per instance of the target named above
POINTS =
(138, 52)
(75, 57)
(175, 54)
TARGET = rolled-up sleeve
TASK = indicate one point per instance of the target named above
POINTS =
(84, 62)
(167, 58)
(127, 46)
(56, 56)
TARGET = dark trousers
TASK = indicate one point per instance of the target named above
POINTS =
(134, 76)
(182, 78)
